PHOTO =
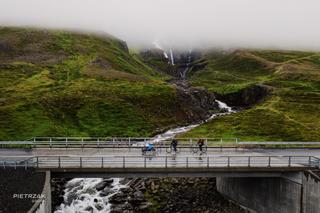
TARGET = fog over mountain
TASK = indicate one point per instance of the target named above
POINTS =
(282, 24)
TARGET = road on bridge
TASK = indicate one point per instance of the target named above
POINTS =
(132, 158)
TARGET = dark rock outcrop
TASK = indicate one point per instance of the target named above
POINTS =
(176, 195)
(103, 184)
(195, 103)
(246, 97)
(57, 191)
(182, 60)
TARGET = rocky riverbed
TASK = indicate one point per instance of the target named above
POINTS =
(147, 195)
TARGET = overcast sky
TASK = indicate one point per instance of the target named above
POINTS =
(285, 24)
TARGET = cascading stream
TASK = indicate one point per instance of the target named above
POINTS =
(183, 74)
(81, 194)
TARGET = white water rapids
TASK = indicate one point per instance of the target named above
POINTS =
(81, 195)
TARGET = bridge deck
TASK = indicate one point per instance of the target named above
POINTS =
(129, 160)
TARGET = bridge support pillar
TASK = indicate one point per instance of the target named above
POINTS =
(291, 193)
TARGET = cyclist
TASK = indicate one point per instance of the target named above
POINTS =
(200, 144)
(174, 144)
(150, 147)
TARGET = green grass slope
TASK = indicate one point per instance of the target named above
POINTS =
(55, 83)
(290, 113)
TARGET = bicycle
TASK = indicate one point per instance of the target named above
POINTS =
(170, 150)
(146, 152)
(196, 150)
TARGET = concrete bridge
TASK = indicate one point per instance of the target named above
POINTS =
(123, 157)
(262, 177)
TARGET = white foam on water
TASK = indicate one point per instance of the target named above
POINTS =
(81, 196)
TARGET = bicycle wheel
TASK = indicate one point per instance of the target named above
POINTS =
(169, 149)
(204, 150)
(195, 150)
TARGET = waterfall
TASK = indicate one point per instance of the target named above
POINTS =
(157, 45)
(171, 57)
(184, 72)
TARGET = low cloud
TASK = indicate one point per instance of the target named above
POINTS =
(281, 24)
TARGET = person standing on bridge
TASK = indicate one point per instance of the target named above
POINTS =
(174, 144)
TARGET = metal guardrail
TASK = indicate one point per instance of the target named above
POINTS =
(279, 143)
(109, 142)
(113, 142)
(81, 162)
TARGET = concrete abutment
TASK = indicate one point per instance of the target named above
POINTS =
(294, 193)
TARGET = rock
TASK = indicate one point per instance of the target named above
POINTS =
(124, 181)
(122, 208)
(89, 209)
(118, 198)
(144, 206)
(126, 190)
(246, 97)
(103, 184)
(137, 198)
(99, 206)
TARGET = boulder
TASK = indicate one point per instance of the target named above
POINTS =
(103, 184)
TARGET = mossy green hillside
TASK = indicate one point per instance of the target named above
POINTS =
(290, 113)
(55, 83)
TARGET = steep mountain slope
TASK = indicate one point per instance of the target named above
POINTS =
(291, 111)
(55, 83)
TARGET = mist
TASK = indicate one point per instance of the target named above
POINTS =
(272, 24)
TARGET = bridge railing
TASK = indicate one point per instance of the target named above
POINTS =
(112, 142)
(83, 162)
(132, 142)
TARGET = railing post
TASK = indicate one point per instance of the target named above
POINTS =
(145, 162)
(37, 162)
(66, 142)
(129, 143)
(59, 162)
(166, 163)
(50, 141)
(81, 142)
(269, 163)
(309, 160)
(98, 142)
(124, 162)
(249, 161)
(208, 162)
(26, 165)
(101, 162)
(228, 161)
(187, 162)
(80, 162)
(289, 161)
